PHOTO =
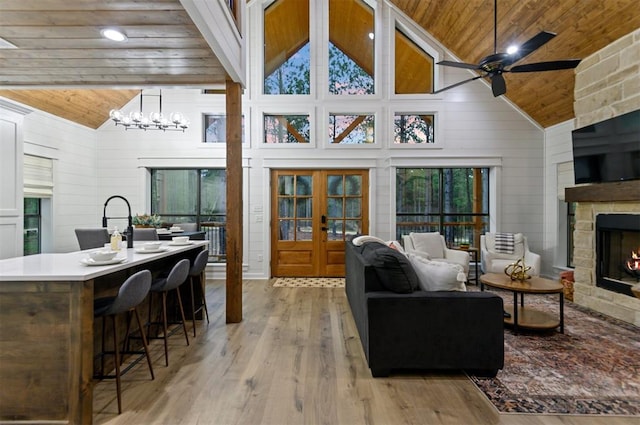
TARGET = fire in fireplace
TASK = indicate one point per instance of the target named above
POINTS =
(633, 264)
(618, 252)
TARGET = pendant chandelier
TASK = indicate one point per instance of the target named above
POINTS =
(136, 120)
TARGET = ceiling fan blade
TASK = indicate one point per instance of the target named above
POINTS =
(498, 85)
(530, 46)
(546, 66)
(458, 64)
(458, 84)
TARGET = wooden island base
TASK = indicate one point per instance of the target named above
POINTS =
(47, 330)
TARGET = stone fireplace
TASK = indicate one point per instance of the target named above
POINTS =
(606, 85)
(587, 290)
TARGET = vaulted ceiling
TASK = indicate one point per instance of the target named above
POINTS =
(63, 66)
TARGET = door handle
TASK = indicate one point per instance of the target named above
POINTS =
(323, 220)
(324, 229)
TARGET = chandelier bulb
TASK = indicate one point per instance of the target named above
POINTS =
(115, 115)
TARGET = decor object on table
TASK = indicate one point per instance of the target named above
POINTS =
(146, 220)
(136, 120)
(518, 270)
(494, 261)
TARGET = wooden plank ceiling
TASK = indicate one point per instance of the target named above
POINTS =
(61, 50)
(64, 66)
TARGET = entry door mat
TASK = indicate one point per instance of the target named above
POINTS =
(593, 368)
(308, 282)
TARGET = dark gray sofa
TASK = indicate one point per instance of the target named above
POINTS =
(423, 330)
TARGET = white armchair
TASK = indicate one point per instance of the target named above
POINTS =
(433, 244)
(493, 261)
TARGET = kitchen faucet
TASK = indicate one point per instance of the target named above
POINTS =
(129, 231)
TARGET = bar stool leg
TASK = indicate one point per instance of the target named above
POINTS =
(184, 322)
(144, 342)
(203, 287)
(116, 352)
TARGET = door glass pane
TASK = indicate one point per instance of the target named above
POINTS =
(285, 185)
(304, 207)
(303, 185)
(286, 230)
(353, 207)
(285, 207)
(334, 185)
(304, 230)
(335, 207)
(353, 227)
(335, 231)
(353, 185)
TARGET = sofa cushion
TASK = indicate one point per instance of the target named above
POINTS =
(393, 268)
(430, 242)
(438, 275)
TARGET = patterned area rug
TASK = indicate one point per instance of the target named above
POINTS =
(593, 368)
(308, 282)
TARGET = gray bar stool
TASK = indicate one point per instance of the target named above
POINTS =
(132, 292)
(92, 238)
(197, 270)
(176, 277)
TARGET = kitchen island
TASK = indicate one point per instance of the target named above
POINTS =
(47, 332)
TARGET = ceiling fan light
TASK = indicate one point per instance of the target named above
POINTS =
(512, 49)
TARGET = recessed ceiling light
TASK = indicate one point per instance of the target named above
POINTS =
(113, 34)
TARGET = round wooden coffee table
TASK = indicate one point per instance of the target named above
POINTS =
(527, 317)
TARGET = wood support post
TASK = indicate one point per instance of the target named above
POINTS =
(234, 202)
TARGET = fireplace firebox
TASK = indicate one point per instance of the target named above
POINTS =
(618, 252)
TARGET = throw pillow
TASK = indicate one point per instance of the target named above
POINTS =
(437, 275)
(361, 240)
(393, 269)
(430, 242)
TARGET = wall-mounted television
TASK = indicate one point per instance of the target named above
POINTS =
(607, 151)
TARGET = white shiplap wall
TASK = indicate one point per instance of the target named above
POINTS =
(558, 150)
(475, 129)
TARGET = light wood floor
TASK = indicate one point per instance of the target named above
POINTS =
(294, 359)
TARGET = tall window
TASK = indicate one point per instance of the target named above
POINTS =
(414, 67)
(193, 195)
(452, 201)
(351, 47)
(287, 55)
(32, 226)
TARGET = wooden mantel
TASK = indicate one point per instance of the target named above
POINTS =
(604, 192)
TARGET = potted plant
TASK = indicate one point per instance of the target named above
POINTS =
(146, 220)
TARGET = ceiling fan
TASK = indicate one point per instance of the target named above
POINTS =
(496, 64)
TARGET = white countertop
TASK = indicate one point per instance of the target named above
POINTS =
(68, 266)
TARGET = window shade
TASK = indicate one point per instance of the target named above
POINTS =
(38, 177)
(565, 177)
